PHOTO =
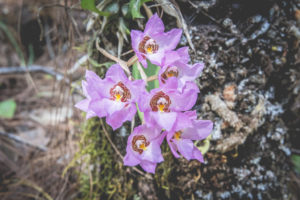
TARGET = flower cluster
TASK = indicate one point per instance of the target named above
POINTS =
(166, 109)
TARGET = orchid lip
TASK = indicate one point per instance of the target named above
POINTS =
(177, 135)
(139, 143)
(148, 45)
(160, 102)
(119, 92)
(169, 72)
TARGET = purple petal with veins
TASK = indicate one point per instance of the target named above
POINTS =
(113, 97)
(143, 148)
(154, 42)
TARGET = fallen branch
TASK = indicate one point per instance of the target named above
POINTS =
(122, 63)
(31, 68)
(21, 141)
(242, 129)
(174, 10)
(38, 68)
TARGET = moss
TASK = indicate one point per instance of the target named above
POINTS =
(101, 174)
(164, 171)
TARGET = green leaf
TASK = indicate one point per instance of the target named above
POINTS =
(135, 6)
(136, 75)
(7, 109)
(140, 114)
(204, 147)
(91, 6)
(135, 72)
(151, 70)
(296, 162)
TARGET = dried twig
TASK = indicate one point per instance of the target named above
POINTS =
(152, 78)
(32, 68)
(21, 141)
(204, 13)
(142, 72)
(78, 63)
(110, 141)
(127, 52)
(39, 189)
(132, 60)
(242, 129)
(147, 10)
(171, 8)
(49, 6)
(38, 68)
(122, 63)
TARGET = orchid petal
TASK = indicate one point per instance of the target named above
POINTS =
(117, 118)
(152, 153)
(154, 25)
(200, 130)
(165, 120)
(130, 159)
(116, 73)
(168, 41)
(136, 38)
(185, 147)
(173, 149)
(197, 155)
(148, 166)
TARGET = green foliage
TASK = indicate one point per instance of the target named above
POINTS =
(296, 162)
(203, 145)
(135, 6)
(135, 72)
(91, 6)
(151, 70)
(7, 109)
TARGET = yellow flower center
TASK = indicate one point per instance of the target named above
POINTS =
(149, 49)
(143, 146)
(177, 135)
(139, 143)
(148, 45)
(118, 96)
(161, 107)
(172, 74)
(119, 92)
(160, 102)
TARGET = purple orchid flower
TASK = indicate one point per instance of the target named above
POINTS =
(143, 148)
(84, 104)
(153, 42)
(187, 129)
(113, 97)
(181, 54)
(163, 104)
(175, 65)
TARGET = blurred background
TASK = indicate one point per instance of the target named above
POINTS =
(249, 89)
